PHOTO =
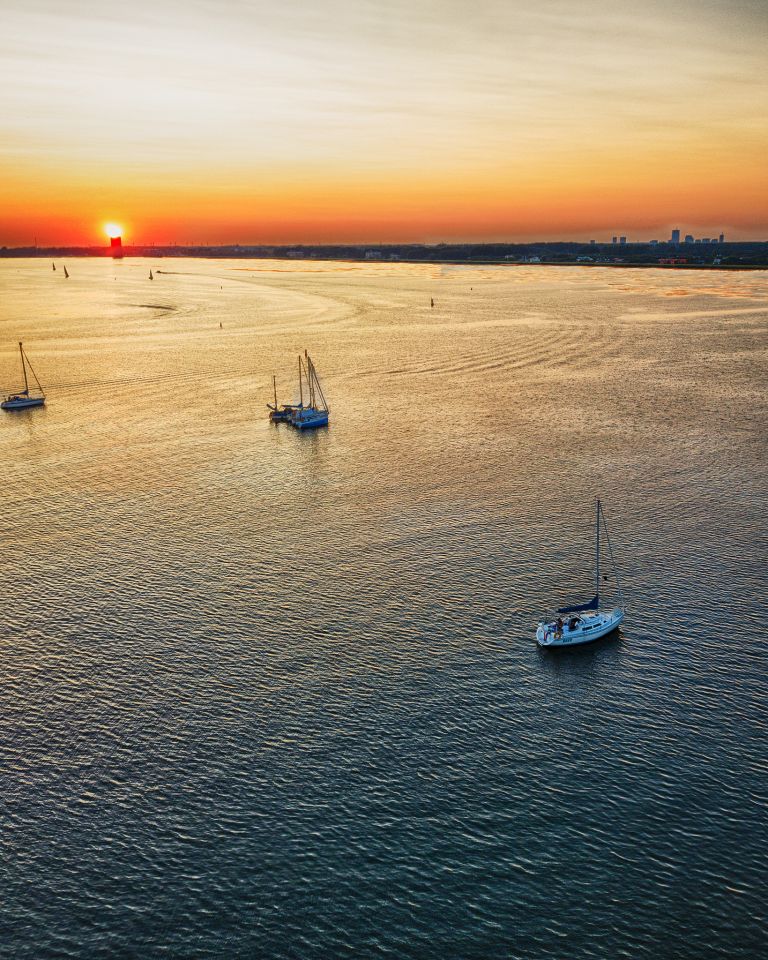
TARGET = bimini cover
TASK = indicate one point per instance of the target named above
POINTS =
(592, 605)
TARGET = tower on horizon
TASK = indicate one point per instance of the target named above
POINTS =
(675, 237)
(116, 247)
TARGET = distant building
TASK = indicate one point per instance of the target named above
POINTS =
(654, 243)
(593, 241)
(615, 240)
(706, 240)
(689, 238)
(675, 236)
(374, 255)
(116, 247)
(622, 239)
(722, 238)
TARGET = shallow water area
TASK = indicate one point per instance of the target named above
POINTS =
(276, 694)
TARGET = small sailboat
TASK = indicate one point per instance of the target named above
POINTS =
(584, 622)
(313, 413)
(54, 267)
(150, 275)
(24, 399)
(278, 414)
(66, 275)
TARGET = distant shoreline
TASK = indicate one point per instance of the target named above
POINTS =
(752, 255)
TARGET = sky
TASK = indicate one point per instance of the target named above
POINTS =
(314, 121)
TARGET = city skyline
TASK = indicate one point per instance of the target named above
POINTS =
(354, 123)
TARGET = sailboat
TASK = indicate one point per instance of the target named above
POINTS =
(66, 275)
(313, 413)
(54, 267)
(150, 275)
(24, 399)
(280, 413)
(584, 622)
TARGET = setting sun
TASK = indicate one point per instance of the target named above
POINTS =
(113, 229)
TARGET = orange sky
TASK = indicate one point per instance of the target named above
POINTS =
(361, 121)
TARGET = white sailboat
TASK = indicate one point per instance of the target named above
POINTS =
(584, 622)
(313, 413)
(23, 399)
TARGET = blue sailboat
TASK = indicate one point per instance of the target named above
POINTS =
(584, 622)
(314, 413)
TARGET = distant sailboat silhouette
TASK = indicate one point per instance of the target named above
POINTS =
(66, 275)
(53, 265)
(150, 275)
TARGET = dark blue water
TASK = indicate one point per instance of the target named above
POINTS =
(273, 695)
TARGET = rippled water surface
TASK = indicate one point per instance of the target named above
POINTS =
(266, 694)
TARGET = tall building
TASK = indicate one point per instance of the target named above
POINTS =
(615, 240)
(722, 238)
(622, 239)
(675, 236)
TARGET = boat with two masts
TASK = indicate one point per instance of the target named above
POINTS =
(585, 622)
(314, 413)
(24, 399)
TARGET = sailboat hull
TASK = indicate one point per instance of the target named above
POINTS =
(587, 629)
(310, 420)
(22, 403)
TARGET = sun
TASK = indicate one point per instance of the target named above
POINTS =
(113, 229)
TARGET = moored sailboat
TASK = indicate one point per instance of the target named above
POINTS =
(584, 622)
(23, 399)
(314, 413)
(279, 413)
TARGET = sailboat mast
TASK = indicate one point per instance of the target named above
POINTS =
(310, 379)
(301, 388)
(274, 384)
(314, 386)
(24, 368)
(597, 556)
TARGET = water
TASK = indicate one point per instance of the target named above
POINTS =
(267, 694)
